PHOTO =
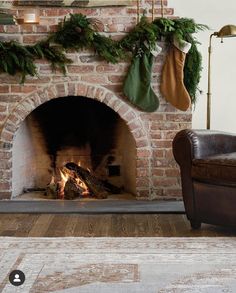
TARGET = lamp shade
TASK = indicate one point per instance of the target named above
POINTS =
(227, 31)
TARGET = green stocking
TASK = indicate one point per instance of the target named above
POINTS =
(137, 85)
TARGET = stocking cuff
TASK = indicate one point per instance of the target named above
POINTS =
(155, 51)
(183, 46)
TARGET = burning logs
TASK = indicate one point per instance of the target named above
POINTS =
(78, 182)
(72, 189)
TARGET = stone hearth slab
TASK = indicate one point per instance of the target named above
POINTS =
(92, 207)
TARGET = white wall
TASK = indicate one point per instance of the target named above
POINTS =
(23, 167)
(215, 14)
(31, 163)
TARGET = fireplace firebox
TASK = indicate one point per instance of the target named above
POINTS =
(75, 130)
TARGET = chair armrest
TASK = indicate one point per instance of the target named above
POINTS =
(202, 143)
(195, 144)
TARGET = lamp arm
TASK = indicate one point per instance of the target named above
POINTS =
(225, 32)
(209, 83)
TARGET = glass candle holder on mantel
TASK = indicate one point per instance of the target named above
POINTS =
(31, 16)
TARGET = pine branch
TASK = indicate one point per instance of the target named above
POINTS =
(16, 58)
(75, 32)
(54, 54)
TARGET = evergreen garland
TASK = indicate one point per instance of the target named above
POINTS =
(108, 49)
(54, 54)
(79, 32)
(16, 58)
(75, 32)
(145, 33)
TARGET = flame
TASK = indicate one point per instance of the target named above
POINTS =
(62, 184)
(64, 177)
(83, 186)
(52, 182)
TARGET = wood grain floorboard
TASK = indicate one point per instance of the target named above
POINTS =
(109, 225)
(57, 226)
(25, 224)
(154, 225)
(70, 226)
(141, 226)
(165, 225)
(121, 226)
(41, 226)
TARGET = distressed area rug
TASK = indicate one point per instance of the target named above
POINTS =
(160, 265)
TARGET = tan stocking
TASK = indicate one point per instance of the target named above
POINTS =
(172, 82)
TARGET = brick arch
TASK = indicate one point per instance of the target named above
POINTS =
(99, 93)
(37, 98)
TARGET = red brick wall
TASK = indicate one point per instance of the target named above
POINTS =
(157, 172)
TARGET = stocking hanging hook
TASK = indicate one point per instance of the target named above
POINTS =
(162, 8)
(138, 11)
(153, 9)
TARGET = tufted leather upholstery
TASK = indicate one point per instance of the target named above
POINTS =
(207, 161)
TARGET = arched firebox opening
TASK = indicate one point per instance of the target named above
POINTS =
(78, 130)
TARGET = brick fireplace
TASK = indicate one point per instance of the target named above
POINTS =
(148, 169)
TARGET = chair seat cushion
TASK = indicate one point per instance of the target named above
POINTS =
(217, 169)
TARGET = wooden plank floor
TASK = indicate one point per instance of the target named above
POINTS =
(112, 225)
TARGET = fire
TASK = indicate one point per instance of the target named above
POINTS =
(61, 184)
(84, 186)
(75, 181)
(68, 180)
(64, 177)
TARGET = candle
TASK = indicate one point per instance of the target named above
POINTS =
(31, 16)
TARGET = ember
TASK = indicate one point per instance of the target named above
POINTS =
(77, 182)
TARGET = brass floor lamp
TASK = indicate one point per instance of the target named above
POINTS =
(225, 32)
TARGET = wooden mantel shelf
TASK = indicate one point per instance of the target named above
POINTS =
(74, 3)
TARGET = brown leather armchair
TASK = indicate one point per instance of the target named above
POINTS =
(207, 161)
